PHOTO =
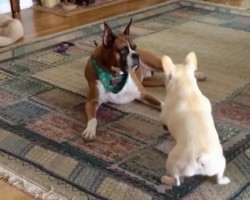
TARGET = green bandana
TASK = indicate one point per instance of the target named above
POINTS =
(111, 82)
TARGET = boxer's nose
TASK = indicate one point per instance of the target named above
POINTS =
(135, 56)
(136, 60)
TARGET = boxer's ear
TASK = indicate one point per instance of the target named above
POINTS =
(127, 29)
(108, 37)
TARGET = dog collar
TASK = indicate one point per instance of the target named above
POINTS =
(113, 83)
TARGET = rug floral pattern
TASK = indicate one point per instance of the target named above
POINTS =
(42, 116)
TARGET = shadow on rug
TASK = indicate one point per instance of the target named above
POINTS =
(43, 96)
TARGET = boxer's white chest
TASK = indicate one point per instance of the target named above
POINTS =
(128, 93)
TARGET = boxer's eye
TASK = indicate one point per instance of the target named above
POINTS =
(124, 50)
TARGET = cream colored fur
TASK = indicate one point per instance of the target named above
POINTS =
(187, 114)
(11, 30)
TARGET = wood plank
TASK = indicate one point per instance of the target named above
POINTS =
(9, 192)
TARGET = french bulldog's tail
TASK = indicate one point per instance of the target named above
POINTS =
(203, 159)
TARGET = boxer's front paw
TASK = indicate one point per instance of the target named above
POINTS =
(90, 132)
(200, 76)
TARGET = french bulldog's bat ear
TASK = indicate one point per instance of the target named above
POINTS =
(191, 61)
(108, 37)
(127, 29)
(168, 66)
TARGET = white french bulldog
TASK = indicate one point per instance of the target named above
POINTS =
(187, 114)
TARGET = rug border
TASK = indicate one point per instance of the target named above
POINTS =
(45, 189)
(28, 186)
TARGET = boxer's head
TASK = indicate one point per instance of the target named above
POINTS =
(121, 49)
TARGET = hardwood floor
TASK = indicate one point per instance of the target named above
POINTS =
(37, 24)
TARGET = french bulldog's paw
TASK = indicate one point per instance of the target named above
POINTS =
(90, 132)
(200, 76)
(168, 180)
(223, 181)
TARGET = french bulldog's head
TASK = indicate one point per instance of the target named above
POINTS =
(180, 76)
(121, 48)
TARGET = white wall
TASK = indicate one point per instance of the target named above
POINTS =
(5, 5)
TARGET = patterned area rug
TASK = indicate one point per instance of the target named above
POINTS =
(43, 95)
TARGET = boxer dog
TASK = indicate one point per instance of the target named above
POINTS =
(117, 72)
(187, 114)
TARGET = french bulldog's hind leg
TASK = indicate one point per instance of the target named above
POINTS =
(221, 179)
